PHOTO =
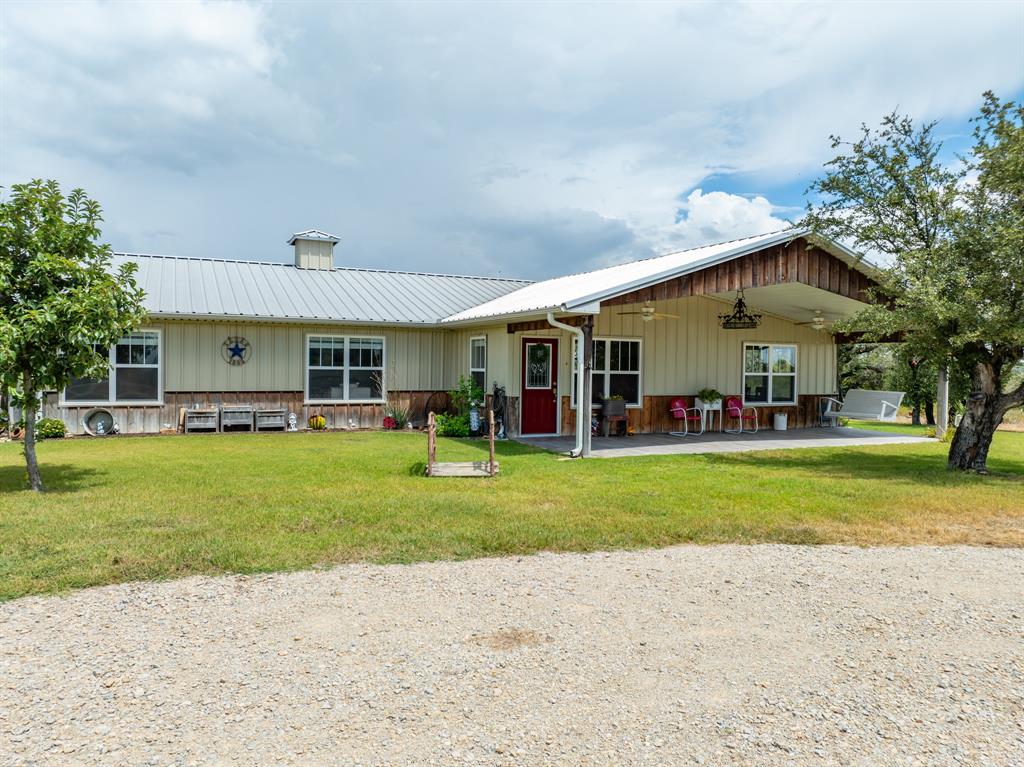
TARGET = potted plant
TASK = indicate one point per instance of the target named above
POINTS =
(614, 405)
(709, 398)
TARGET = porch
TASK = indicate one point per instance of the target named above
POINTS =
(721, 442)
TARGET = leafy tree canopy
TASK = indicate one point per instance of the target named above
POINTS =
(953, 241)
(60, 297)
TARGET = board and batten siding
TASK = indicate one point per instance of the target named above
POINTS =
(457, 353)
(192, 360)
(685, 355)
(682, 356)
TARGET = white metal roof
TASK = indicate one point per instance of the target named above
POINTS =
(313, 234)
(223, 289)
(582, 292)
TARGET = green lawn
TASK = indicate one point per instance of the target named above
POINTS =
(157, 507)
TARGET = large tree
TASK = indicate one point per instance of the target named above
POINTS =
(952, 238)
(60, 297)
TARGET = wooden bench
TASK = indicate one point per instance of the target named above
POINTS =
(236, 415)
(864, 405)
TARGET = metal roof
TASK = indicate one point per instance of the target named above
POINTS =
(223, 289)
(582, 292)
(313, 234)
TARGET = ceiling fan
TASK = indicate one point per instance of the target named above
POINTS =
(647, 313)
(818, 322)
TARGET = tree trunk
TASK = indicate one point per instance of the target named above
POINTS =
(35, 479)
(984, 412)
(915, 415)
(929, 411)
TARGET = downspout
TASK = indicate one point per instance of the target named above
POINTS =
(580, 373)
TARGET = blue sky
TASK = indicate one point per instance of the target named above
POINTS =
(514, 139)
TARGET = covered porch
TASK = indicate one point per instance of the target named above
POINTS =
(723, 442)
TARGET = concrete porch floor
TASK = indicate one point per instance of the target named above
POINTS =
(720, 442)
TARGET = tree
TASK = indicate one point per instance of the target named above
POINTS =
(60, 297)
(953, 237)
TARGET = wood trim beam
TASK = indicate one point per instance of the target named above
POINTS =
(531, 325)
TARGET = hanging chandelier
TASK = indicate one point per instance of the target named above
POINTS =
(740, 318)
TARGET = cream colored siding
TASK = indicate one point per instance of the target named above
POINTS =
(679, 356)
(314, 254)
(457, 345)
(685, 355)
(415, 359)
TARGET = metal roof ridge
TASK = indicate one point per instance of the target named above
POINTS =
(124, 254)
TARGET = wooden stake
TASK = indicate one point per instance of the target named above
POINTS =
(490, 417)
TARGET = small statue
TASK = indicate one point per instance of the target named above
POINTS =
(293, 422)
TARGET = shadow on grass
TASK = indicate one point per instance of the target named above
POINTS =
(57, 478)
(869, 464)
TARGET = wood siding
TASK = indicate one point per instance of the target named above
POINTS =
(150, 419)
(795, 262)
(653, 416)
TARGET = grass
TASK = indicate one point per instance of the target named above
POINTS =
(125, 509)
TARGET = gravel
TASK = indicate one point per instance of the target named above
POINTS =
(727, 655)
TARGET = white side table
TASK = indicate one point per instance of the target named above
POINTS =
(707, 413)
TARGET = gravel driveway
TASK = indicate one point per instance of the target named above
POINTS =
(765, 655)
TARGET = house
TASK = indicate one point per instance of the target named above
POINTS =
(313, 337)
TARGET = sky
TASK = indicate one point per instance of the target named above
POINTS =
(520, 140)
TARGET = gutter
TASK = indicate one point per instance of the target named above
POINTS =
(581, 371)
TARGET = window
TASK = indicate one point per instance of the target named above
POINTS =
(769, 374)
(615, 370)
(478, 361)
(344, 369)
(134, 376)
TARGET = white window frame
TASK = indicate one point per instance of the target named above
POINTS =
(346, 400)
(639, 373)
(112, 377)
(484, 368)
(794, 375)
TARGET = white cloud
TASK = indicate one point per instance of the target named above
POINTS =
(718, 216)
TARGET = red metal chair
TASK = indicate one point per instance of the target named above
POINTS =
(743, 415)
(686, 415)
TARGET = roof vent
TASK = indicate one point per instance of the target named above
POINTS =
(314, 249)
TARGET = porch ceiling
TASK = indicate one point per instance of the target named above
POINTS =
(795, 301)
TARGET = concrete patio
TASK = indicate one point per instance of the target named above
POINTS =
(720, 442)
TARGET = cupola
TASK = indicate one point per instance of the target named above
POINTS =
(314, 249)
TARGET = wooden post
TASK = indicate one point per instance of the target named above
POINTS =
(490, 418)
(431, 443)
(942, 403)
(583, 408)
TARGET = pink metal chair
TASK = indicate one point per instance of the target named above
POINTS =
(686, 415)
(743, 415)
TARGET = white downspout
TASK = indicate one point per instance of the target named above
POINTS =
(580, 372)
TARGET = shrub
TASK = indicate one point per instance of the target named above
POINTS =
(317, 423)
(50, 428)
(452, 425)
(466, 396)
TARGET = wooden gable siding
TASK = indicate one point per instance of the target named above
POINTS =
(794, 262)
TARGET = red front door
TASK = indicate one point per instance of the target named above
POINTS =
(540, 386)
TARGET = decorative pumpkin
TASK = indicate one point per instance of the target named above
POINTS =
(317, 422)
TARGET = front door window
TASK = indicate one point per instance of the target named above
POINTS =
(538, 366)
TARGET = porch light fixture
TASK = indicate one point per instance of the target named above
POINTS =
(740, 318)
